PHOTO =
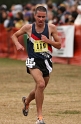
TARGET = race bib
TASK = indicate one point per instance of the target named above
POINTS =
(40, 46)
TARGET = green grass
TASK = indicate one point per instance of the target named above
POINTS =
(62, 101)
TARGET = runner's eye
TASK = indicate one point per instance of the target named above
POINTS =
(41, 16)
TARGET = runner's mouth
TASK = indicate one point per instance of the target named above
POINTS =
(40, 22)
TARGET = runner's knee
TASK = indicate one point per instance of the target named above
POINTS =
(41, 84)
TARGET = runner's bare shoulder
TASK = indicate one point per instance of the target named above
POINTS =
(28, 26)
(51, 27)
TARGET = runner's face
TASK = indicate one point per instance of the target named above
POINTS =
(40, 18)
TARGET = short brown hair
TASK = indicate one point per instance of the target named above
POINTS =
(40, 8)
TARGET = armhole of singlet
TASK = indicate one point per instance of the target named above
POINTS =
(33, 27)
(47, 29)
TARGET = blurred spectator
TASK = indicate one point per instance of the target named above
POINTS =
(33, 7)
(78, 19)
(28, 12)
(1, 19)
(67, 16)
(27, 18)
(4, 6)
(52, 7)
(61, 9)
(56, 20)
(9, 22)
(78, 2)
(6, 21)
(58, 14)
(18, 21)
(3, 14)
(70, 2)
(73, 15)
(50, 16)
(27, 8)
(16, 8)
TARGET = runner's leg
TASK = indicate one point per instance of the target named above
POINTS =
(40, 86)
(31, 96)
(46, 79)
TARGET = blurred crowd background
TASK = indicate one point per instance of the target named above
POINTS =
(66, 13)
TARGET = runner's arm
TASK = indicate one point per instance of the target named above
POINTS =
(57, 41)
(16, 35)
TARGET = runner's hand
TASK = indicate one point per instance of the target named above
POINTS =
(19, 47)
(44, 38)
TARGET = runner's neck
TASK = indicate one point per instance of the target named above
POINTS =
(39, 29)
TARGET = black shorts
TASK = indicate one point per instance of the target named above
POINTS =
(45, 66)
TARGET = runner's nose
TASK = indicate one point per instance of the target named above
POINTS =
(41, 18)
